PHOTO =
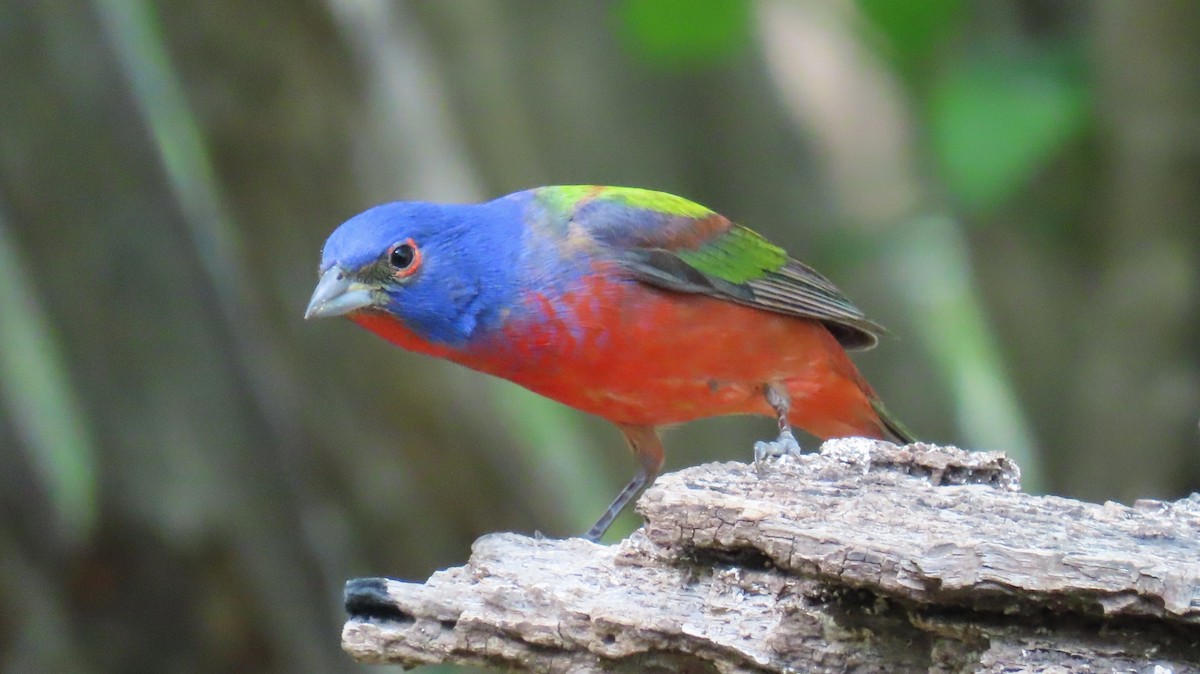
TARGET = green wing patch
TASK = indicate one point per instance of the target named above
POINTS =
(694, 250)
(740, 255)
(741, 266)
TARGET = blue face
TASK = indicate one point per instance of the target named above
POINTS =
(445, 270)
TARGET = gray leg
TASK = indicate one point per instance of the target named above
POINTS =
(786, 443)
(644, 442)
(639, 482)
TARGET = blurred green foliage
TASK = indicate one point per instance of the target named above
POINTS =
(996, 121)
(684, 33)
(188, 472)
(912, 33)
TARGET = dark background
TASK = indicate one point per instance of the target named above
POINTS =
(189, 471)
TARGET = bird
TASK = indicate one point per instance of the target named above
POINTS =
(638, 306)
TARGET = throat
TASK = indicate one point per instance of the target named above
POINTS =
(394, 331)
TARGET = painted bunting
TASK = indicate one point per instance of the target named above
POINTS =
(638, 306)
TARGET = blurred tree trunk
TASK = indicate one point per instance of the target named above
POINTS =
(199, 509)
(1136, 371)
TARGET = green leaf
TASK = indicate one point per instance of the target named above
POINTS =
(682, 33)
(994, 123)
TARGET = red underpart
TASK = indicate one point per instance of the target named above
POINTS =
(637, 355)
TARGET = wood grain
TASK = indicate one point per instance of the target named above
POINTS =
(865, 557)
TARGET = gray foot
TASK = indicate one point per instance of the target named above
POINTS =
(783, 445)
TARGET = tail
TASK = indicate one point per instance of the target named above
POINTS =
(895, 430)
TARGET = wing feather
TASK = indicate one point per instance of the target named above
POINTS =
(792, 289)
(674, 244)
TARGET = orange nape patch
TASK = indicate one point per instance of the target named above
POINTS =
(637, 355)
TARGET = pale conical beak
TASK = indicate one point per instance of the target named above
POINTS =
(337, 294)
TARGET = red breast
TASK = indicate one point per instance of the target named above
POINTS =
(637, 355)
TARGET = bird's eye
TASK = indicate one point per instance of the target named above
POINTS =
(404, 257)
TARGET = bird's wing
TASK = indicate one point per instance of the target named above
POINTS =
(669, 242)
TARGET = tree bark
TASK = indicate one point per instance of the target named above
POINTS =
(865, 557)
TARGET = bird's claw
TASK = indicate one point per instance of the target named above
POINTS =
(786, 444)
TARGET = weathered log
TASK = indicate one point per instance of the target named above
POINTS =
(864, 557)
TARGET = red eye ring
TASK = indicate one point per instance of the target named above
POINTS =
(405, 258)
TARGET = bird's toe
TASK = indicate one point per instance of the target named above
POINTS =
(785, 444)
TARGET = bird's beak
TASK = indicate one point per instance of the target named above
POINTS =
(338, 293)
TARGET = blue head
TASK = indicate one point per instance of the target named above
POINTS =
(446, 271)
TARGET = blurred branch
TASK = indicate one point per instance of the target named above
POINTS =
(414, 137)
(867, 556)
(36, 389)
